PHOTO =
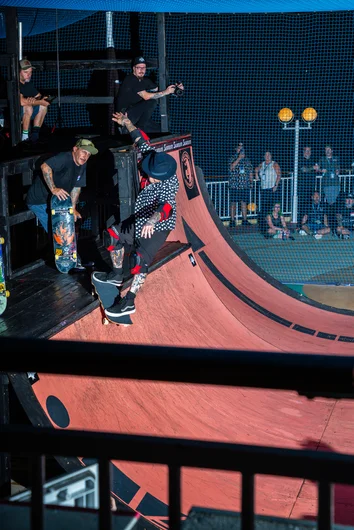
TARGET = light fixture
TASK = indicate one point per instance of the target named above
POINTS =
(309, 115)
(285, 115)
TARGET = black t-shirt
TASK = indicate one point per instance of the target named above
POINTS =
(66, 175)
(306, 177)
(347, 217)
(28, 90)
(128, 92)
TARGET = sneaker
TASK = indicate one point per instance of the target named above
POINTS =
(125, 306)
(317, 236)
(302, 233)
(108, 277)
(232, 223)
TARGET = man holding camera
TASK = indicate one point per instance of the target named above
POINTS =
(240, 184)
(137, 97)
(33, 105)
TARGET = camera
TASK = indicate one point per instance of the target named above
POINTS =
(178, 91)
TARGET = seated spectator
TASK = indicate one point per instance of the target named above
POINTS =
(240, 183)
(276, 224)
(345, 217)
(315, 222)
(33, 105)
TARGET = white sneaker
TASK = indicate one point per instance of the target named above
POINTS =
(302, 233)
(317, 236)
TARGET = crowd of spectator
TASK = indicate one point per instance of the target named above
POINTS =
(322, 207)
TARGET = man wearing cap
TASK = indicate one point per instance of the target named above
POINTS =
(154, 217)
(32, 103)
(63, 175)
(345, 217)
(138, 94)
(240, 184)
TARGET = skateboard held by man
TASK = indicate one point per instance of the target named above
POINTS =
(4, 294)
(64, 236)
(107, 294)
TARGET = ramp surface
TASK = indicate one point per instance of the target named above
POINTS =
(210, 296)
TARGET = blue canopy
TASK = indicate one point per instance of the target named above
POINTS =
(189, 6)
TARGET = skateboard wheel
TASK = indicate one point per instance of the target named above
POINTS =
(71, 210)
(56, 256)
(7, 294)
(105, 321)
(53, 212)
(2, 240)
(74, 255)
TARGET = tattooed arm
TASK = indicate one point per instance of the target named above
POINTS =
(74, 198)
(48, 179)
(149, 227)
(144, 94)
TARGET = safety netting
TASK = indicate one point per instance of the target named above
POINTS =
(239, 71)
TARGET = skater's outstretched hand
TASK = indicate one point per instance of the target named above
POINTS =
(118, 117)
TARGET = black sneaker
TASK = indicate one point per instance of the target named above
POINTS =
(125, 306)
(109, 277)
(232, 223)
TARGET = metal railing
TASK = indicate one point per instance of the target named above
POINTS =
(219, 193)
(312, 375)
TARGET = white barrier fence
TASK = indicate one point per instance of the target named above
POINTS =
(219, 193)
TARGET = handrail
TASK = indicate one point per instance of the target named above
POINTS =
(313, 375)
(311, 465)
(310, 374)
(321, 466)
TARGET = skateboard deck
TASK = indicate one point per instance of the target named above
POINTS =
(4, 294)
(64, 237)
(107, 293)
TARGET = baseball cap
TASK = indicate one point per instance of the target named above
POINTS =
(160, 166)
(139, 60)
(87, 145)
(350, 196)
(25, 64)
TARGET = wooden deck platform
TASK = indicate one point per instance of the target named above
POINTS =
(43, 301)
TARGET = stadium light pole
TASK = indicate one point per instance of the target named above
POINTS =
(286, 116)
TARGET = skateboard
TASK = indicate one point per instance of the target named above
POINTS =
(64, 237)
(4, 294)
(107, 293)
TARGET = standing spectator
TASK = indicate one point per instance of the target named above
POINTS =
(329, 167)
(240, 183)
(307, 181)
(269, 174)
(33, 105)
(137, 97)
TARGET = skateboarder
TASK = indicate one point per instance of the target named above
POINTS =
(154, 217)
(63, 175)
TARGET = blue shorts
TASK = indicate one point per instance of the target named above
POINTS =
(315, 226)
(239, 195)
(34, 113)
